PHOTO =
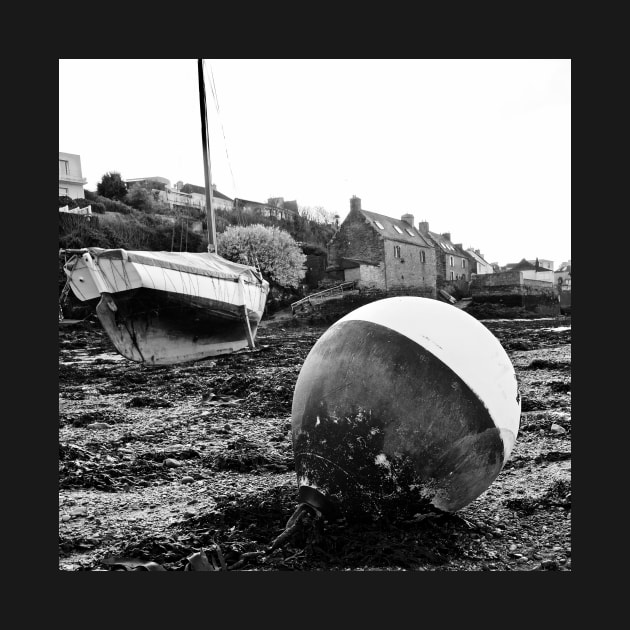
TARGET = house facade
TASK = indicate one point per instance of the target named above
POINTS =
(452, 262)
(479, 266)
(562, 276)
(198, 193)
(532, 271)
(381, 252)
(71, 180)
(542, 262)
(275, 207)
(181, 196)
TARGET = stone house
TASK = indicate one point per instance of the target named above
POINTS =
(381, 252)
(453, 263)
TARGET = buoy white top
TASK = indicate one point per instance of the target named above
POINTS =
(462, 343)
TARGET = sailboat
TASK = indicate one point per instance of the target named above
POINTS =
(161, 308)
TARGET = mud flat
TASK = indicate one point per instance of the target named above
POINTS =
(156, 464)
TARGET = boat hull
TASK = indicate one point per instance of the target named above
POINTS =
(161, 328)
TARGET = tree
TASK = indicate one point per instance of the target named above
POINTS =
(140, 199)
(112, 186)
(278, 256)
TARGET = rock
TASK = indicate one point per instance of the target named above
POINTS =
(174, 447)
(187, 479)
(78, 511)
(66, 517)
(513, 547)
(98, 425)
(172, 463)
(190, 512)
(557, 429)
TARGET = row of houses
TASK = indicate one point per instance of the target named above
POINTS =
(388, 254)
(373, 250)
(380, 252)
(185, 197)
(180, 197)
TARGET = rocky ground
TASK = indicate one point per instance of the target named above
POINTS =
(191, 467)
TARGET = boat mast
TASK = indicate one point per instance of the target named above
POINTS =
(212, 231)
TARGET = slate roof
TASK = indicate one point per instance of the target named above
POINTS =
(446, 246)
(525, 265)
(390, 232)
(200, 190)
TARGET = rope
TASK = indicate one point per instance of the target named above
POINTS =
(291, 527)
(216, 103)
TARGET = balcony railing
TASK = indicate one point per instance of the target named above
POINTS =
(73, 179)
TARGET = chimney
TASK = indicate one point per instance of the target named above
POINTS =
(355, 203)
(478, 253)
(214, 186)
(423, 227)
(459, 245)
(446, 235)
(407, 218)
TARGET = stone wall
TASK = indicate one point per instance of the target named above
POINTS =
(512, 289)
(408, 270)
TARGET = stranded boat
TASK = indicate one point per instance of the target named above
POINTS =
(171, 307)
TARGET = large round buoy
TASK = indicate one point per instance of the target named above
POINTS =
(408, 398)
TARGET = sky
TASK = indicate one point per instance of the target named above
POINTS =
(478, 148)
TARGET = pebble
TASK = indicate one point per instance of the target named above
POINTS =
(172, 463)
(78, 511)
(187, 479)
(513, 547)
(98, 425)
(556, 428)
(189, 512)
(66, 517)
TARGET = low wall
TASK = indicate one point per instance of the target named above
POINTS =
(511, 289)
(329, 311)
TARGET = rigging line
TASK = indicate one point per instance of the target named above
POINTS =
(216, 102)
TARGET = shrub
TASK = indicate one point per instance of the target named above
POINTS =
(114, 206)
(64, 200)
(276, 253)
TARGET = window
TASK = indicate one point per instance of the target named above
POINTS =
(398, 229)
(63, 192)
(396, 251)
(463, 263)
(423, 256)
(64, 167)
(379, 225)
(409, 232)
(452, 264)
(452, 276)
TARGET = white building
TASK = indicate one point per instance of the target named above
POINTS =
(71, 180)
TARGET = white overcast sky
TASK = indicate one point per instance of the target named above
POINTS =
(478, 148)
